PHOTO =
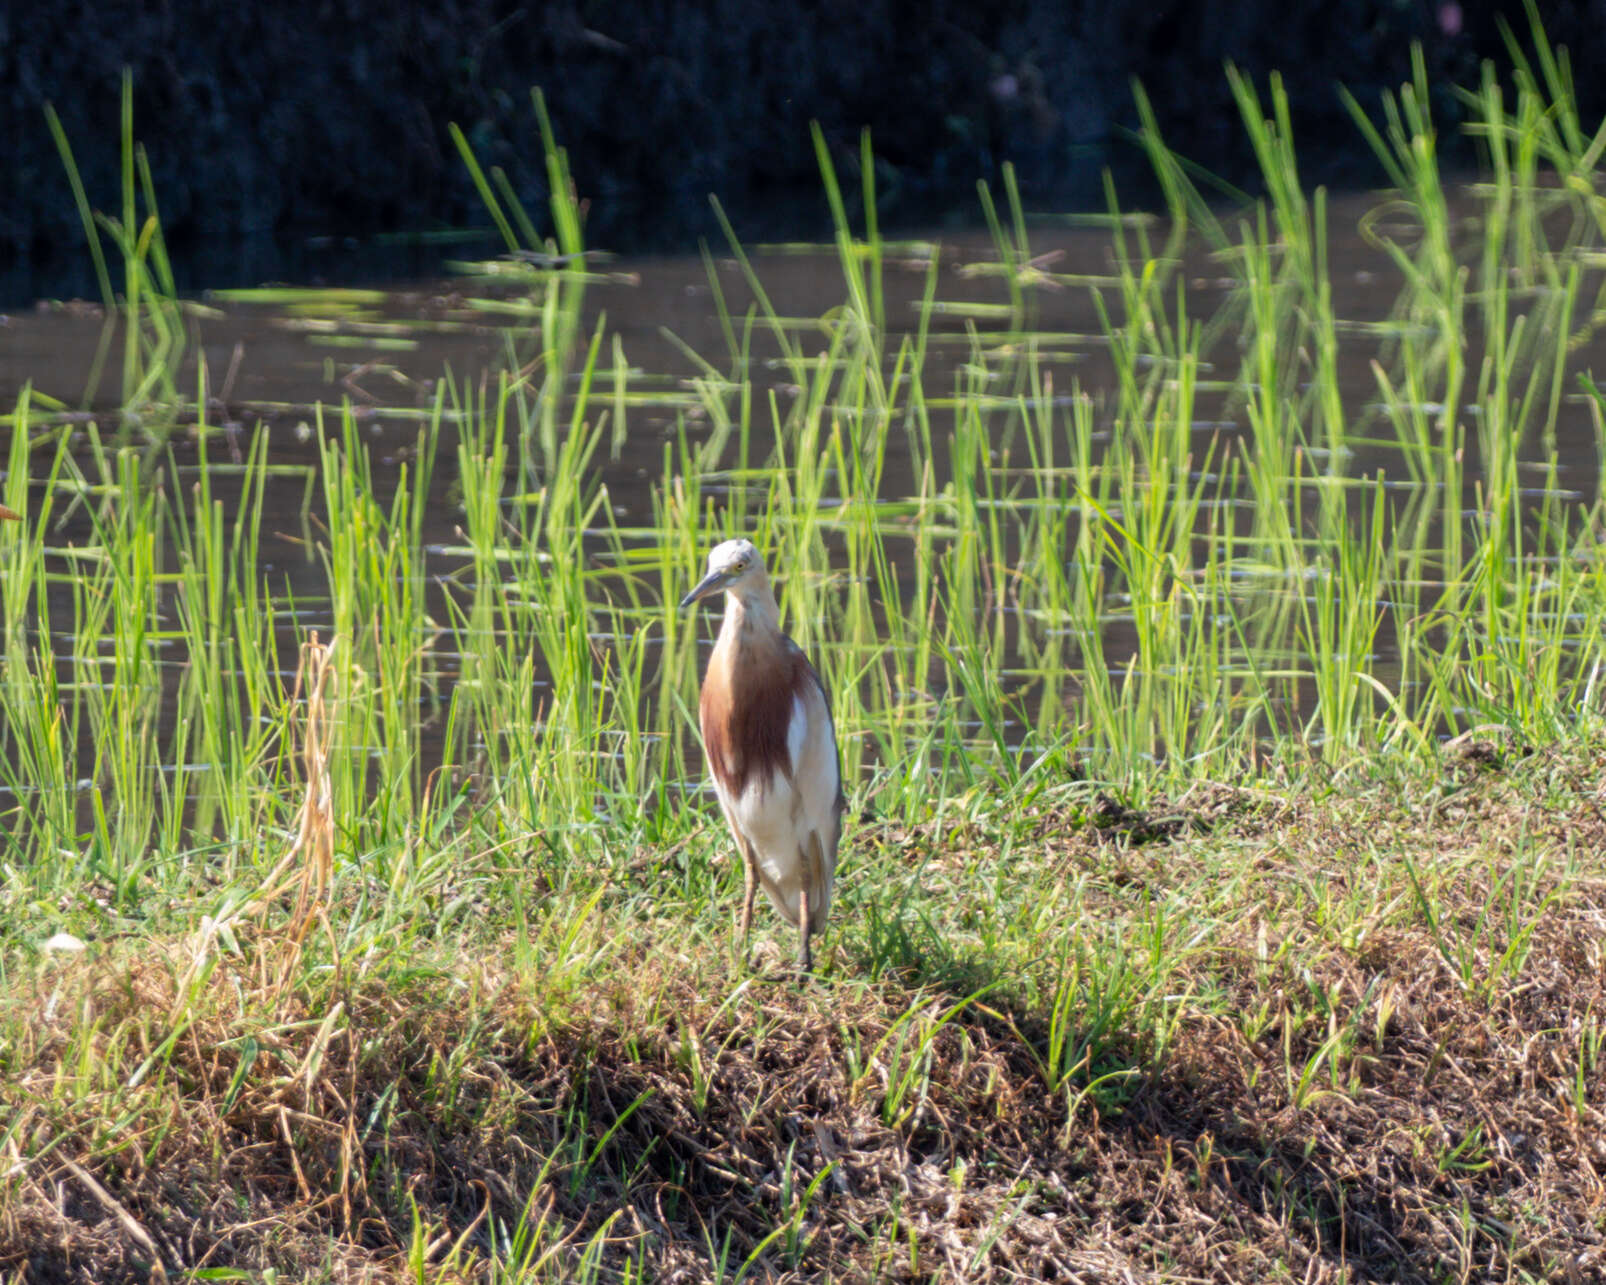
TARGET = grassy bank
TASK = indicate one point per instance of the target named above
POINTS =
(1352, 1034)
(1223, 898)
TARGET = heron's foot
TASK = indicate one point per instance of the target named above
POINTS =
(765, 957)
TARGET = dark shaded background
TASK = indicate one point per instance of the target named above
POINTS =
(284, 138)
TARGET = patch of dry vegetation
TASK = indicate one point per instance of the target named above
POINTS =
(1346, 1037)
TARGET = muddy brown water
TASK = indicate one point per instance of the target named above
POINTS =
(268, 368)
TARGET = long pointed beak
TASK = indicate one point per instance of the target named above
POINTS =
(707, 585)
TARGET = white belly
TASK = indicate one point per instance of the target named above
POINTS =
(783, 818)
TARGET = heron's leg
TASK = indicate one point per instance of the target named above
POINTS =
(805, 958)
(750, 869)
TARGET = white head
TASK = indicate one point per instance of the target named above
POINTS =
(734, 567)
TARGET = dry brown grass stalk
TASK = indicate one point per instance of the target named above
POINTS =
(308, 864)
(314, 846)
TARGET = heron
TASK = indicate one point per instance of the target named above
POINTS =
(771, 748)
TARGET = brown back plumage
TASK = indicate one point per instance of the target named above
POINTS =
(744, 735)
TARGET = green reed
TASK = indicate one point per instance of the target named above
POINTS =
(148, 311)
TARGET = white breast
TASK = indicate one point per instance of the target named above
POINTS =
(777, 816)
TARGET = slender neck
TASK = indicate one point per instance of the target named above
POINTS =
(751, 611)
